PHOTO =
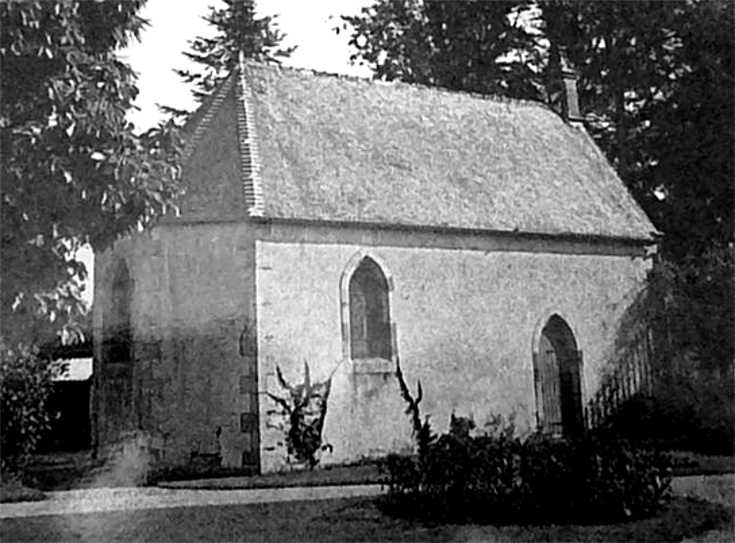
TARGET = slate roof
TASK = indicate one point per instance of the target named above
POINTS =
(332, 148)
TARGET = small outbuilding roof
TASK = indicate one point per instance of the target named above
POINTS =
(321, 147)
(75, 369)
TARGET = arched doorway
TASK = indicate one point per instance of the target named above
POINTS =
(117, 351)
(557, 371)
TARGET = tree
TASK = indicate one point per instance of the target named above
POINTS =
(621, 51)
(73, 169)
(238, 31)
(657, 86)
(25, 387)
(473, 45)
(692, 139)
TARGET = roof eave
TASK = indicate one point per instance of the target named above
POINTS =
(652, 238)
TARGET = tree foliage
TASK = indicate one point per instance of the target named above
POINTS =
(238, 30)
(472, 45)
(25, 387)
(691, 139)
(74, 171)
(656, 83)
(683, 305)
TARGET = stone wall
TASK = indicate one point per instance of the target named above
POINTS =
(467, 309)
(465, 323)
(193, 333)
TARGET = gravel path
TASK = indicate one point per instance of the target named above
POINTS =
(96, 500)
(715, 488)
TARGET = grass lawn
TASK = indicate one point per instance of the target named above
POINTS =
(66, 471)
(327, 476)
(688, 463)
(350, 520)
(59, 471)
(684, 463)
(679, 520)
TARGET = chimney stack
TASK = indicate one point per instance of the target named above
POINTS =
(570, 101)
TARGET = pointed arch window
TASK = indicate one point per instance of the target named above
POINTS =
(118, 335)
(370, 327)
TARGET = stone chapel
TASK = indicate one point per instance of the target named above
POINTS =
(486, 243)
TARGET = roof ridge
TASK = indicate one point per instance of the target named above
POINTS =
(248, 143)
(397, 83)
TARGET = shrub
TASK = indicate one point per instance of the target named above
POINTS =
(500, 478)
(679, 331)
(13, 490)
(678, 418)
(25, 386)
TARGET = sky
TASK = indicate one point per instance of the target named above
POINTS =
(306, 24)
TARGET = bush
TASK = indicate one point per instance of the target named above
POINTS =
(696, 416)
(13, 490)
(500, 478)
(25, 386)
(679, 331)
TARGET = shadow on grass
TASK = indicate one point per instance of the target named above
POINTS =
(12, 490)
(355, 519)
(60, 471)
(327, 476)
(679, 519)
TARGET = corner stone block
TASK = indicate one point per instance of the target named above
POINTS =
(248, 384)
(248, 423)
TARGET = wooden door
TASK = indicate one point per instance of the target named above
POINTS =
(570, 367)
(548, 388)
